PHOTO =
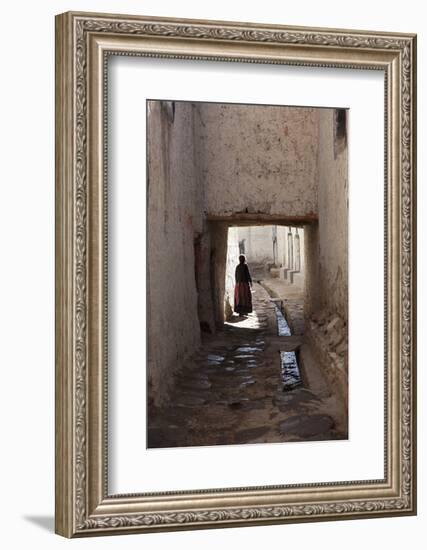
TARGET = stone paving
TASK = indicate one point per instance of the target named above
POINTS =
(231, 391)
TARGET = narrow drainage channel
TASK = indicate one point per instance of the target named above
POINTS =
(291, 375)
(282, 325)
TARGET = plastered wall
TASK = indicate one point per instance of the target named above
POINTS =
(261, 159)
(333, 215)
(175, 218)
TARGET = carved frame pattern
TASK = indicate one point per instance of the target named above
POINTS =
(75, 513)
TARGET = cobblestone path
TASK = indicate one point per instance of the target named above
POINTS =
(231, 391)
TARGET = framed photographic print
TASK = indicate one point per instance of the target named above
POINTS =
(235, 274)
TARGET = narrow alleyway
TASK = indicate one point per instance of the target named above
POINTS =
(232, 390)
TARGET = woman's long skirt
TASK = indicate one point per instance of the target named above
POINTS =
(242, 298)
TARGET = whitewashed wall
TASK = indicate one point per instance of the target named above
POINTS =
(175, 217)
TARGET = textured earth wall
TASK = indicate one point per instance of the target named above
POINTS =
(258, 160)
(333, 214)
(326, 292)
(175, 218)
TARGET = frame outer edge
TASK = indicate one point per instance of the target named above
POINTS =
(414, 269)
(415, 265)
(72, 362)
(249, 25)
(64, 237)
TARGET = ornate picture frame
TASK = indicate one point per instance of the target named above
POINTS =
(83, 43)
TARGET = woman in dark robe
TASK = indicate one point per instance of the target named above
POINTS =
(242, 290)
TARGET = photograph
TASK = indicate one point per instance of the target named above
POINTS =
(247, 273)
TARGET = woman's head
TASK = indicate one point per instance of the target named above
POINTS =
(242, 259)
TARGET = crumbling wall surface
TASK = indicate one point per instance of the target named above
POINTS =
(258, 160)
(327, 278)
(333, 214)
(175, 211)
(326, 332)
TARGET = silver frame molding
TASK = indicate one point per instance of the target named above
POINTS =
(83, 43)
